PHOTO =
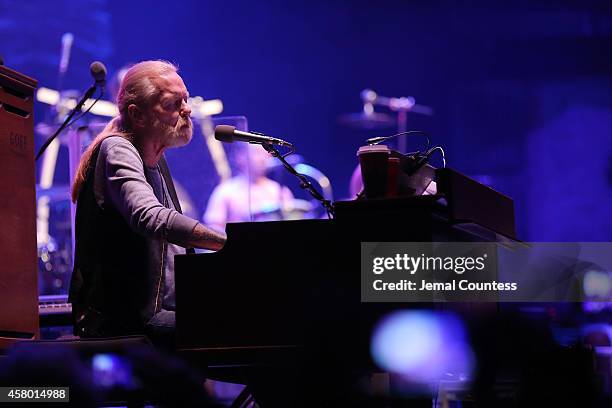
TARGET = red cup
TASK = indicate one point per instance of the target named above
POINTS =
(374, 162)
(393, 172)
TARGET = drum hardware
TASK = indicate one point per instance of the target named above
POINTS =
(368, 118)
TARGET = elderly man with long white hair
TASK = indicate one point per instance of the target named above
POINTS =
(129, 224)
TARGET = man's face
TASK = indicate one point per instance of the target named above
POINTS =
(169, 115)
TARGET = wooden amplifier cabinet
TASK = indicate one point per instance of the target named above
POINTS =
(18, 253)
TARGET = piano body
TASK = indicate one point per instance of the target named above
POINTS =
(287, 293)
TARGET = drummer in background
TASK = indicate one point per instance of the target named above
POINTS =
(250, 195)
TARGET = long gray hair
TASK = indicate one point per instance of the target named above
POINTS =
(138, 88)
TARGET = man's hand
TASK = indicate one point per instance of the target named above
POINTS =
(207, 238)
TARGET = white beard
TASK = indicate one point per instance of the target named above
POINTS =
(173, 136)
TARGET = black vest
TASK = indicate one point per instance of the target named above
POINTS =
(117, 279)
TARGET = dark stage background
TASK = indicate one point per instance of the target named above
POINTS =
(522, 93)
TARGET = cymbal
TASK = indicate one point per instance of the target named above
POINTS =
(369, 121)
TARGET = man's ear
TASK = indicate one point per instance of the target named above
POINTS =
(136, 116)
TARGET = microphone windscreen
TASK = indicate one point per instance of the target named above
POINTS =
(224, 133)
(98, 71)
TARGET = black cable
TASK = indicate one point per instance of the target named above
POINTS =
(68, 119)
(441, 150)
(421, 159)
(380, 139)
(290, 152)
(305, 184)
(88, 109)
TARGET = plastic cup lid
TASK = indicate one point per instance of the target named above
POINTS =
(373, 149)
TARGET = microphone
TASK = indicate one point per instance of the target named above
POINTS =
(98, 72)
(229, 134)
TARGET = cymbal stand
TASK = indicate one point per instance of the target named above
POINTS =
(401, 105)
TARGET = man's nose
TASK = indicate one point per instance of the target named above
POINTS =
(185, 110)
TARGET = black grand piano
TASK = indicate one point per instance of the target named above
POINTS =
(283, 298)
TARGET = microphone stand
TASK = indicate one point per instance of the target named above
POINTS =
(76, 109)
(305, 184)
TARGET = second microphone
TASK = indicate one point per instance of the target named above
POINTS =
(229, 134)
